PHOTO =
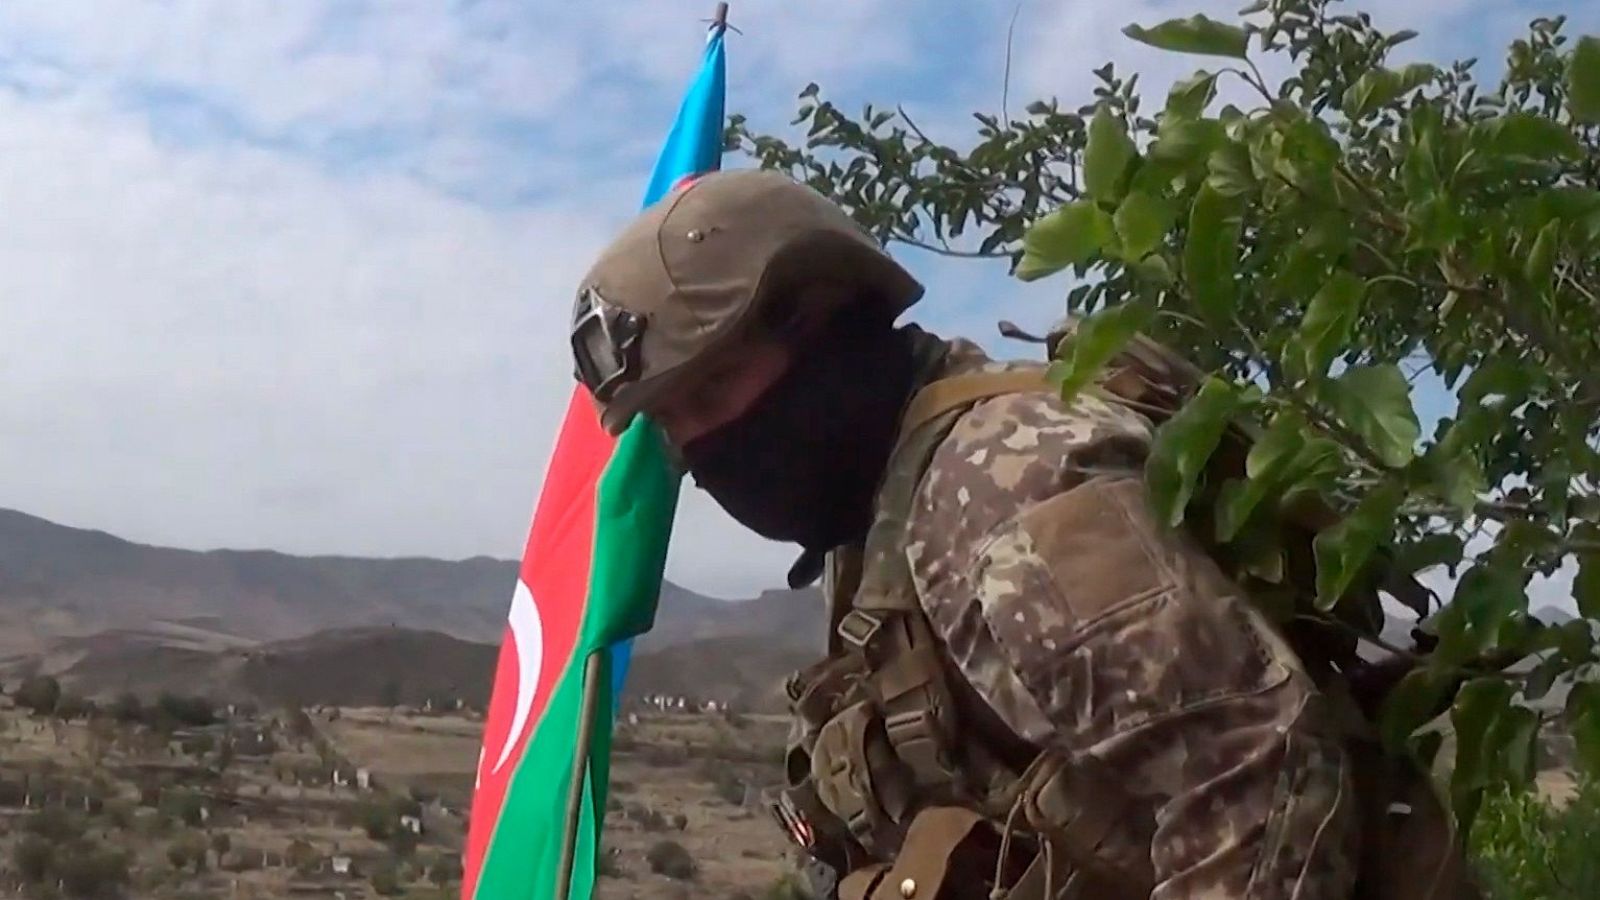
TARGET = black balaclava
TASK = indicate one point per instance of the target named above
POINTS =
(803, 463)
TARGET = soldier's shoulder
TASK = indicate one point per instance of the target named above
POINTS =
(1009, 452)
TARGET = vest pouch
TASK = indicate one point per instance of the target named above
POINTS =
(949, 853)
(858, 778)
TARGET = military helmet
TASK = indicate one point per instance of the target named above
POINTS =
(701, 267)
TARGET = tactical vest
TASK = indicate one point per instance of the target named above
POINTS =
(902, 781)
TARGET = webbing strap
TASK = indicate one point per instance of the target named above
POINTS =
(930, 854)
(961, 390)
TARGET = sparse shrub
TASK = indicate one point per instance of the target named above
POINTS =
(386, 882)
(188, 849)
(377, 820)
(1526, 848)
(403, 843)
(55, 824)
(90, 870)
(647, 818)
(33, 856)
(730, 788)
(127, 708)
(609, 864)
(301, 855)
(787, 886)
(185, 806)
(446, 870)
(120, 813)
(221, 843)
(39, 695)
(196, 712)
(672, 859)
(12, 793)
(72, 706)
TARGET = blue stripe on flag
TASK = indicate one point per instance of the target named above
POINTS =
(693, 147)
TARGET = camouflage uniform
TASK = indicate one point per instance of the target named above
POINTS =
(1016, 632)
(1084, 624)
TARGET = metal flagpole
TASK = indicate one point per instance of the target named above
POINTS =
(580, 772)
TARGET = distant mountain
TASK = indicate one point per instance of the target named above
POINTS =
(57, 581)
(108, 615)
(374, 666)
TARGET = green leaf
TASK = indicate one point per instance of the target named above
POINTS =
(1186, 140)
(1541, 260)
(1586, 585)
(1098, 338)
(1142, 220)
(1491, 601)
(1210, 254)
(1478, 705)
(1379, 87)
(1516, 735)
(1343, 549)
(1278, 447)
(1154, 268)
(1575, 640)
(1196, 34)
(1070, 236)
(1511, 378)
(1184, 443)
(1409, 706)
(1543, 676)
(1583, 715)
(1583, 81)
(1315, 469)
(1189, 97)
(1232, 173)
(1371, 91)
(1106, 158)
(1375, 403)
(1431, 550)
(1272, 460)
(1435, 223)
(1328, 322)
(1460, 482)
(1527, 134)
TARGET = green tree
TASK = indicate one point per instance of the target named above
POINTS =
(673, 860)
(126, 708)
(34, 857)
(87, 869)
(1314, 250)
(39, 695)
(386, 881)
(1528, 847)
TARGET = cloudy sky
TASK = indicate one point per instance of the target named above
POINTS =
(296, 275)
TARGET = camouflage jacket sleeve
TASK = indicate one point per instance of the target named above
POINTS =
(1087, 625)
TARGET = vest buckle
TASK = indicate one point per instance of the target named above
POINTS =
(857, 628)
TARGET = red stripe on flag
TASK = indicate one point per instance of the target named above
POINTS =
(555, 571)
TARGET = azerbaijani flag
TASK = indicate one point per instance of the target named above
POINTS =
(590, 578)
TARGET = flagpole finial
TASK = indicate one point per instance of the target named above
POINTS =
(720, 19)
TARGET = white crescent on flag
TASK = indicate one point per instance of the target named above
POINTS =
(527, 636)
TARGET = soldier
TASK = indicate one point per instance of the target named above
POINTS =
(1033, 689)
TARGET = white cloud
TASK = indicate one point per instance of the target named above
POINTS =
(239, 311)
